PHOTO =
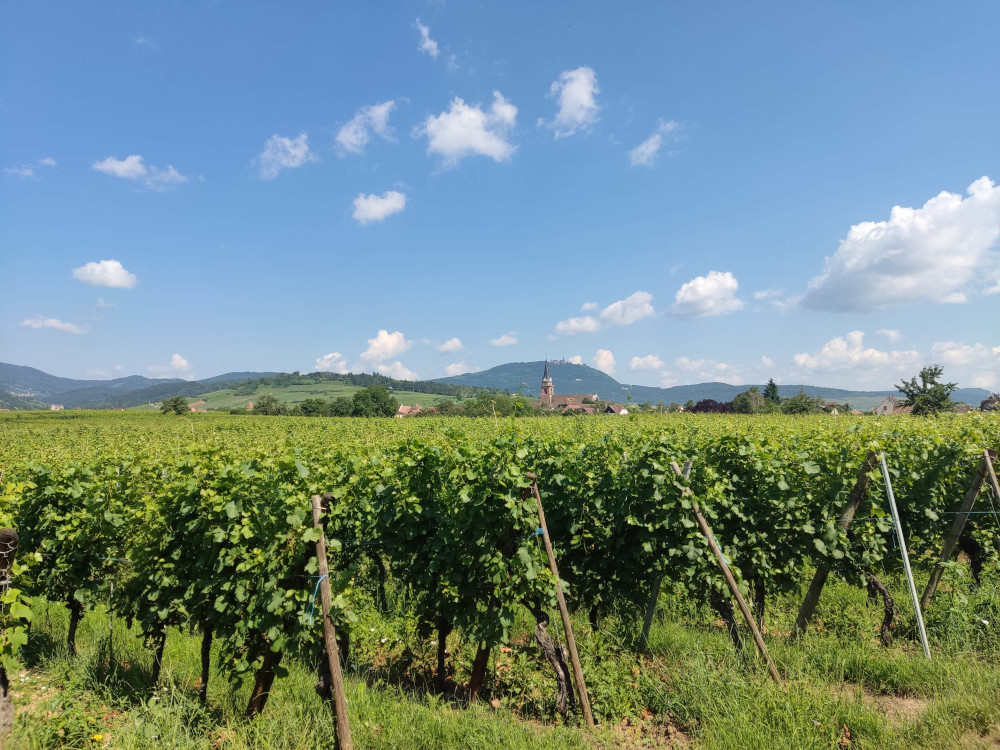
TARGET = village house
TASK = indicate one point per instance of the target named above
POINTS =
(56, 407)
(888, 406)
(583, 403)
(408, 411)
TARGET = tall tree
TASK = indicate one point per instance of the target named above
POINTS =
(175, 404)
(771, 392)
(929, 396)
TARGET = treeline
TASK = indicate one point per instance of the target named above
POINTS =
(373, 401)
(363, 380)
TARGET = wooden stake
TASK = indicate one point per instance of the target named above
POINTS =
(846, 516)
(581, 687)
(993, 476)
(956, 529)
(344, 741)
(731, 582)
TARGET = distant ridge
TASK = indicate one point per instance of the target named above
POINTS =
(526, 377)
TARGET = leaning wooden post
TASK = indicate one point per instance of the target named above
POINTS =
(8, 546)
(901, 538)
(846, 516)
(654, 594)
(581, 687)
(956, 528)
(993, 475)
(344, 741)
(731, 582)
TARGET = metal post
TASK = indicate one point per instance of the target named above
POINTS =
(906, 557)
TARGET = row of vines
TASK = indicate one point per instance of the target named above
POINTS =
(207, 526)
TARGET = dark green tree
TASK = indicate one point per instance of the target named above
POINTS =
(269, 406)
(800, 403)
(751, 401)
(342, 406)
(929, 396)
(175, 405)
(771, 392)
(374, 401)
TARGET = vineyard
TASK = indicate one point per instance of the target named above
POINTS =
(148, 534)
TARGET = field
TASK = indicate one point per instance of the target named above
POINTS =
(296, 394)
(202, 526)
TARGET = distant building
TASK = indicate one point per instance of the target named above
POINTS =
(888, 406)
(250, 405)
(548, 389)
(615, 409)
(56, 407)
(584, 403)
(991, 404)
(408, 411)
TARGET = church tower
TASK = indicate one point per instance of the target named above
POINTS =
(548, 390)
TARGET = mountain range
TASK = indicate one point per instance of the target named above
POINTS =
(28, 388)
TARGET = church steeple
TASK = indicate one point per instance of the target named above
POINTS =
(548, 389)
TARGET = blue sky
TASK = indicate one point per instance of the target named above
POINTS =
(674, 193)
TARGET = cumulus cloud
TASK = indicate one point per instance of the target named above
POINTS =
(957, 353)
(767, 294)
(41, 322)
(848, 353)
(369, 208)
(585, 324)
(576, 359)
(646, 152)
(709, 370)
(451, 345)
(465, 130)
(283, 153)
(385, 345)
(48, 161)
(356, 133)
(135, 169)
(624, 312)
(398, 371)
(459, 368)
(332, 362)
(576, 91)
(427, 45)
(178, 368)
(766, 361)
(110, 273)
(941, 252)
(589, 306)
(25, 170)
(508, 339)
(890, 333)
(604, 361)
(707, 296)
(649, 362)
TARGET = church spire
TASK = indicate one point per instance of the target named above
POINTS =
(548, 389)
(545, 376)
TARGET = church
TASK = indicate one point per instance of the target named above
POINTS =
(587, 403)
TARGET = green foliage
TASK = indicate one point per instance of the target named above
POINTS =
(771, 392)
(174, 405)
(800, 403)
(929, 396)
(374, 401)
(752, 401)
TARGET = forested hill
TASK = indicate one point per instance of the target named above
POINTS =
(570, 378)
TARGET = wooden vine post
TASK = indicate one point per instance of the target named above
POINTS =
(344, 741)
(985, 468)
(846, 516)
(731, 582)
(581, 687)
(8, 546)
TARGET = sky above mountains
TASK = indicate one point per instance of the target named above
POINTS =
(670, 192)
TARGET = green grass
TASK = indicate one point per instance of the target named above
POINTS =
(296, 394)
(842, 688)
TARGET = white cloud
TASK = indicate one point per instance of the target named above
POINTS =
(848, 353)
(649, 362)
(354, 136)
(178, 368)
(48, 161)
(459, 368)
(766, 361)
(398, 371)
(385, 345)
(709, 370)
(624, 312)
(984, 380)
(576, 359)
(589, 306)
(451, 345)
(470, 131)
(134, 168)
(707, 296)
(686, 363)
(25, 170)
(369, 208)
(668, 379)
(767, 294)
(102, 305)
(957, 353)
(890, 333)
(283, 153)
(576, 91)
(332, 362)
(940, 252)
(110, 273)
(508, 339)
(39, 322)
(143, 41)
(604, 361)
(585, 324)
(427, 45)
(645, 153)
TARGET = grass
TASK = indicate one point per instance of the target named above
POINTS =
(691, 690)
